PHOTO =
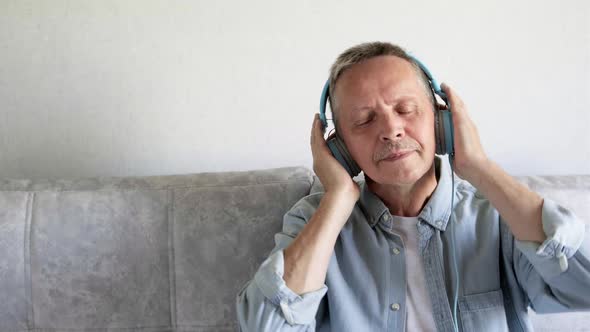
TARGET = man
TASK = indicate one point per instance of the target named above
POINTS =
(378, 255)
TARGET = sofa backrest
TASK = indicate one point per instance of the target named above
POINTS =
(160, 253)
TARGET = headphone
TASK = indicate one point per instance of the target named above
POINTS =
(443, 126)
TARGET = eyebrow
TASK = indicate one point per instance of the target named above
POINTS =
(398, 100)
(363, 108)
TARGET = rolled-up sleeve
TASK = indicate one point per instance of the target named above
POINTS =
(556, 273)
(265, 303)
(297, 309)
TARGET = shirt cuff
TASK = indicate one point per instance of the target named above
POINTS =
(565, 234)
(297, 309)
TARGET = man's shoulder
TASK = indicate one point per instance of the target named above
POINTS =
(306, 206)
(470, 200)
(465, 189)
(311, 201)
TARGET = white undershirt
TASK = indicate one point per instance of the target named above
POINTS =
(419, 316)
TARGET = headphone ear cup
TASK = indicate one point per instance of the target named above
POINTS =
(354, 168)
(341, 154)
(444, 135)
(438, 133)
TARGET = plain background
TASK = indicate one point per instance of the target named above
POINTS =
(119, 88)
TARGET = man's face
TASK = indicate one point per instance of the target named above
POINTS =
(383, 110)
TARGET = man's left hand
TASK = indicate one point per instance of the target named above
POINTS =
(470, 157)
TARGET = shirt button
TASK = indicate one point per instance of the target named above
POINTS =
(395, 307)
(386, 217)
(395, 251)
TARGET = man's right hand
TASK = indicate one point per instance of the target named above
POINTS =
(306, 258)
(332, 175)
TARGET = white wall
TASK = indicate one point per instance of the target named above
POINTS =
(163, 87)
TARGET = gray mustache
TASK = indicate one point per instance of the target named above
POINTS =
(395, 147)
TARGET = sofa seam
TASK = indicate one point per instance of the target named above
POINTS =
(28, 264)
(171, 260)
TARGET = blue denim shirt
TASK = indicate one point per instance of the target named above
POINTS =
(365, 286)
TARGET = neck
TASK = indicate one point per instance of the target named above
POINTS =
(406, 200)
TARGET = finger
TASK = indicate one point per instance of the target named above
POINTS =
(314, 128)
(455, 102)
(317, 131)
(318, 144)
(318, 127)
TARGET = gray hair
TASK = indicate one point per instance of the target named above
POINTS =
(366, 51)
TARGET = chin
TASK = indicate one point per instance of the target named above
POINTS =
(394, 173)
(394, 179)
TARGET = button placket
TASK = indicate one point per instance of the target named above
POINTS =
(397, 278)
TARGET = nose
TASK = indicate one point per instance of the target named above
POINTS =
(392, 127)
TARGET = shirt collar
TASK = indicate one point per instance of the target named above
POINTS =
(436, 211)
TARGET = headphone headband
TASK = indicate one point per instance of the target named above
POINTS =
(433, 82)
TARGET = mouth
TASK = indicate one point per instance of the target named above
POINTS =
(397, 156)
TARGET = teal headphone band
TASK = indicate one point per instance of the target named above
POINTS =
(443, 126)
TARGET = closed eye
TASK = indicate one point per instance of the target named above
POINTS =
(365, 121)
(406, 109)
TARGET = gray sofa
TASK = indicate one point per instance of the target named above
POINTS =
(164, 253)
